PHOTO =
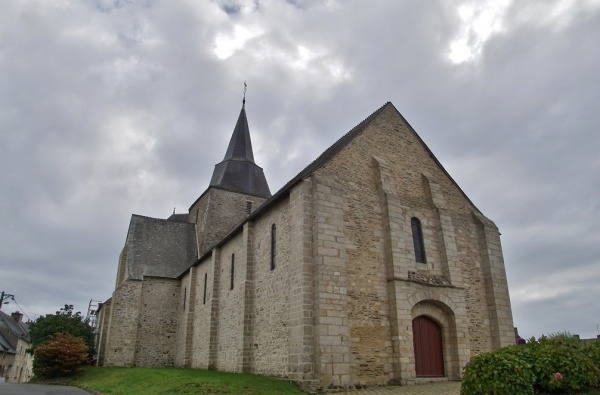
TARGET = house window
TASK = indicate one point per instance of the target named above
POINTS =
(273, 245)
(418, 244)
(232, 270)
(205, 282)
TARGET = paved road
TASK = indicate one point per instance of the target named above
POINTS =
(38, 389)
(443, 388)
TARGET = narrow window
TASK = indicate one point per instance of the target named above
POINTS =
(248, 207)
(418, 244)
(273, 245)
(205, 281)
(184, 297)
(232, 270)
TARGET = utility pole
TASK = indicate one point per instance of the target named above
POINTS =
(4, 296)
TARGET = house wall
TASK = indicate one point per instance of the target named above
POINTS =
(22, 366)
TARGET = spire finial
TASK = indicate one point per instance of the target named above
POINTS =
(173, 210)
(244, 101)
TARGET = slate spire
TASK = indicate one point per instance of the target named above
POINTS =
(238, 172)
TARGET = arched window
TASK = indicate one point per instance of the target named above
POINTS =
(418, 244)
(273, 245)
(232, 270)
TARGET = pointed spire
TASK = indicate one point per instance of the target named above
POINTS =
(238, 172)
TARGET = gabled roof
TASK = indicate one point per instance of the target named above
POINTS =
(322, 160)
(11, 331)
(238, 172)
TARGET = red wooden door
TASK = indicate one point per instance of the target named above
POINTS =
(427, 339)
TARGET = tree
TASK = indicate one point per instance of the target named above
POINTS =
(63, 321)
(63, 355)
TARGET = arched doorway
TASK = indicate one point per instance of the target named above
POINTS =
(427, 341)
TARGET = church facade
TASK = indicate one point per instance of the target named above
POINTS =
(370, 267)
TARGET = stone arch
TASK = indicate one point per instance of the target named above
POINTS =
(440, 309)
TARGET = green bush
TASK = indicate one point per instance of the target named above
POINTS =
(592, 350)
(553, 364)
(61, 356)
(498, 373)
(562, 367)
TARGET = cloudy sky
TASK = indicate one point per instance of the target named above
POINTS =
(114, 107)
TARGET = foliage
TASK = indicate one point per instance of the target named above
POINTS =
(63, 321)
(498, 373)
(178, 381)
(576, 371)
(63, 355)
(592, 350)
(557, 363)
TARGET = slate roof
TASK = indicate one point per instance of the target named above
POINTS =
(179, 217)
(325, 157)
(238, 172)
(159, 247)
(10, 332)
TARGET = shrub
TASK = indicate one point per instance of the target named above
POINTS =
(502, 372)
(577, 371)
(61, 356)
(592, 350)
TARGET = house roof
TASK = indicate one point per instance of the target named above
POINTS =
(238, 172)
(11, 331)
(321, 160)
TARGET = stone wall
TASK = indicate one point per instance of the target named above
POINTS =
(217, 212)
(156, 341)
(125, 309)
(271, 293)
(387, 177)
(102, 331)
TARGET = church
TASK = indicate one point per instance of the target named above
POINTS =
(369, 267)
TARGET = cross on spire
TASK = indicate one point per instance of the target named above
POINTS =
(245, 87)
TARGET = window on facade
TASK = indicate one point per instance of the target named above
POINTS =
(417, 234)
(205, 282)
(232, 270)
(184, 297)
(273, 245)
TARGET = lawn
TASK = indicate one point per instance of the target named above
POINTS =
(177, 381)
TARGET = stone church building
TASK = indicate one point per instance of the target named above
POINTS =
(370, 267)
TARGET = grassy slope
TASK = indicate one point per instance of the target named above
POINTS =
(178, 381)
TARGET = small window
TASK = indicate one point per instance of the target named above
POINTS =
(205, 283)
(273, 246)
(418, 244)
(184, 297)
(232, 270)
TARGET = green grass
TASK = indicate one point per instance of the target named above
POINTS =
(177, 381)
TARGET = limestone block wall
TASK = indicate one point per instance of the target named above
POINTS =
(217, 212)
(102, 331)
(156, 341)
(123, 324)
(205, 319)
(388, 177)
(271, 293)
(231, 306)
